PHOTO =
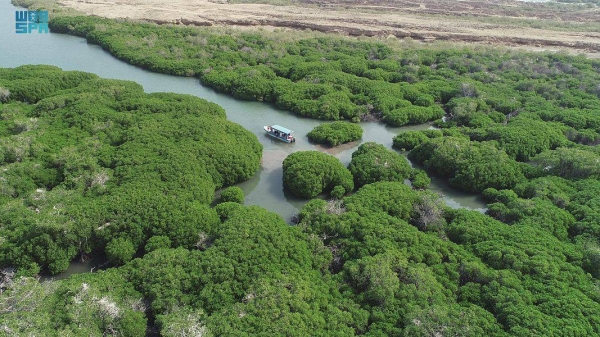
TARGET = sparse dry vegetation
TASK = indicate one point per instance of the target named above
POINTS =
(550, 25)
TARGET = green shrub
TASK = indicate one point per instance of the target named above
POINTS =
(338, 192)
(119, 251)
(157, 242)
(233, 194)
(309, 173)
(123, 166)
(470, 166)
(225, 209)
(335, 133)
(419, 179)
(373, 162)
(408, 140)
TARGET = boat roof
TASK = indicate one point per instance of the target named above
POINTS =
(281, 128)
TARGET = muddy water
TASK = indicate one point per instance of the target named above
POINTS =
(77, 267)
(265, 188)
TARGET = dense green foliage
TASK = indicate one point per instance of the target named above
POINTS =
(487, 279)
(335, 133)
(412, 115)
(310, 173)
(319, 78)
(385, 261)
(89, 164)
(373, 162)
(88, 304)
(233, 194)
(520, 103)
(333, 78)
(408, 140)
(255, 275)
(471, 166)
(501, 155)
(419, 179)
(523, 138)
(570, 163)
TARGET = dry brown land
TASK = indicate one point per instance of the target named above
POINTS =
(511, 23)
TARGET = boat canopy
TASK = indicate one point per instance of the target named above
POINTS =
(282, 129)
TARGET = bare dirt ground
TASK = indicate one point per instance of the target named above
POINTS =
(504, 22)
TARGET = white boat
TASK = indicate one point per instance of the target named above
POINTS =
(281, 133)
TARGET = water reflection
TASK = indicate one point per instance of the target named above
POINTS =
(78, 267)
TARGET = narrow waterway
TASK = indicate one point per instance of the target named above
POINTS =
(265, 188)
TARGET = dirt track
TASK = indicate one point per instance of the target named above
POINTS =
(428, 20)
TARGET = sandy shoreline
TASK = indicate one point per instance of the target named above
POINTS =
(373, 21)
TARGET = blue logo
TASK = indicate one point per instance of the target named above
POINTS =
(28, 21)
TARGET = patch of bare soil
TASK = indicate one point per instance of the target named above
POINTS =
(427, 20)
